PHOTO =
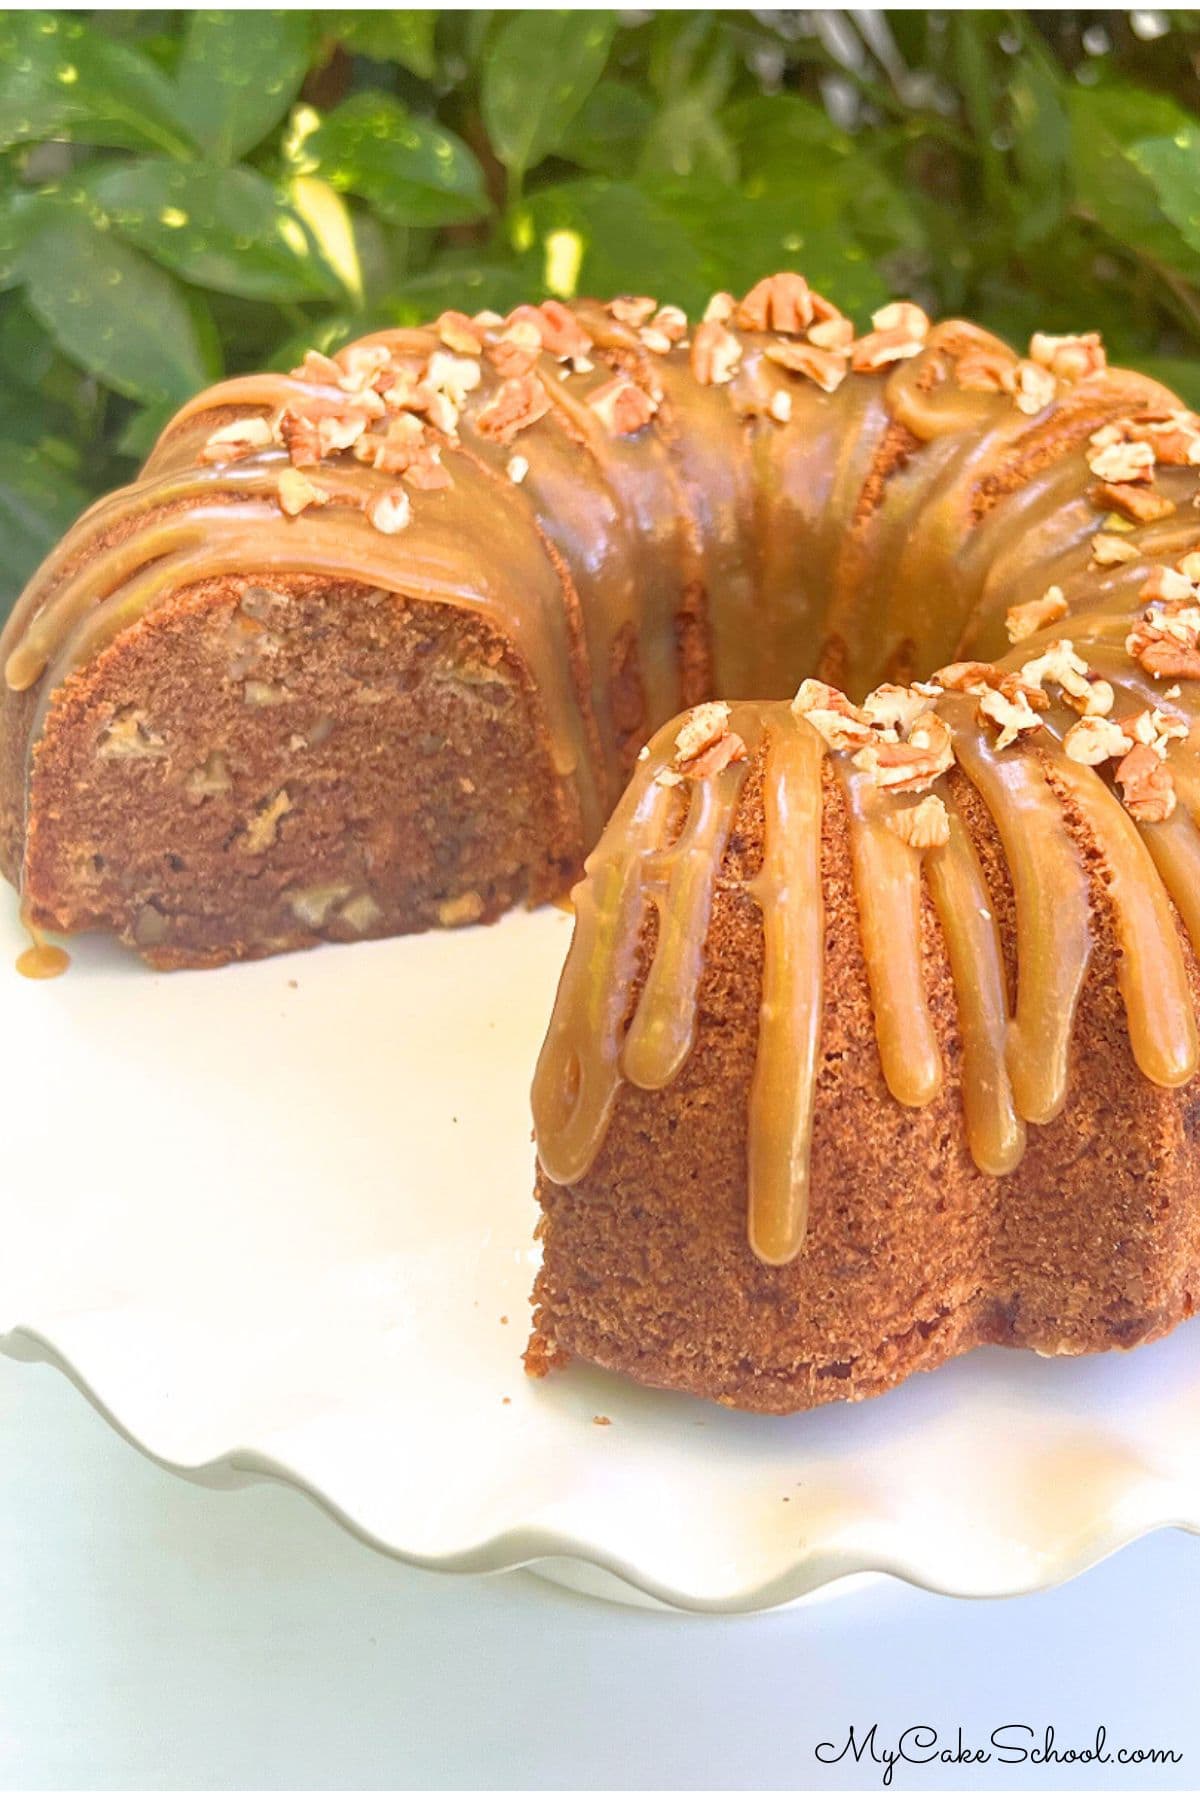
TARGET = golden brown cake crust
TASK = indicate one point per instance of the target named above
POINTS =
(912, 1254)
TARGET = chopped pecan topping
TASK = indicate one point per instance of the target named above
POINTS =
(914, 764)
(390, 512)
(427, 473)
(404, 391)
(1070, 358)
(1061, 664)
(453, 376)
(826, 367)
(1167, 643)
(719, 309)
(309, 441)
(459, 333)
(302, 439)
(1013, 716)
(318, 370)
(777, 303)
(515, 349)
(899, 331)
(893, 708)
(836, 333)
(364, 367)
(704, 745)
(1095, 740)
(1031, 387)
(562, 334)
(623, 406)
(296, 492)
(1147, 786)
(716, 353)
(843, 725)
(1156, 729)
(1122, 462)
(667, 328)
(632, 309)
(1173, 437)
(1108, 550)
(238, 439)
(1141, 504)
(404, 443)
(1034, 615)
(925, 826)
(516, 404)
(780, 407)
(1189, 565)
(983, 678)
(517, 468)
(1166, 584)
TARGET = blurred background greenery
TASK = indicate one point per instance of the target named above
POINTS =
(186, 194)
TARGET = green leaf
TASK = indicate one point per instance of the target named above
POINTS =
(744, 236)
(411, 171)
(466, 286)
(1041, 142)
(402, 35)
(238, 74)
(1105, 124)
(38, 500)
(226, 229)
(26, 354)
(776, 131)
(63, 79)
(539, 71)
(687, 137)
(327, 335)
(607, 131)
(15, 220)
(810, 183)
(1173, 166)
(143, 429)
(617, 238)
(112, 311)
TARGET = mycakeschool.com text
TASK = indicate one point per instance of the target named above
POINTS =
(1034, 1746)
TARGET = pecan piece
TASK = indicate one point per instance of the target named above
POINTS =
(1141, 504)
(516, 404)
(842, 724)
(1034, 615)
(716, 353)
(828, 368)
(623, 406)
(776, 303)
(1147, 786)
(915, 764)
(925, 826)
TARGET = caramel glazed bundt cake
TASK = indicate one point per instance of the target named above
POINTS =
(877, 1034)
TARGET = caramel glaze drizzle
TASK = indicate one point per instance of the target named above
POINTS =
(40, 961)
(788, 520)
(1014, 1067)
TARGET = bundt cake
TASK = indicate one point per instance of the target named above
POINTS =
(376, 645)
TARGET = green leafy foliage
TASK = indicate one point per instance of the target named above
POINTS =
(227, 229)
(538, 72)
(60, 78)
(113, 311)
(186, 192)
(412, 171)
(394, 35)
(237, 75)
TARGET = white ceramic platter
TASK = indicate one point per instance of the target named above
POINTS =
(276, 1221)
